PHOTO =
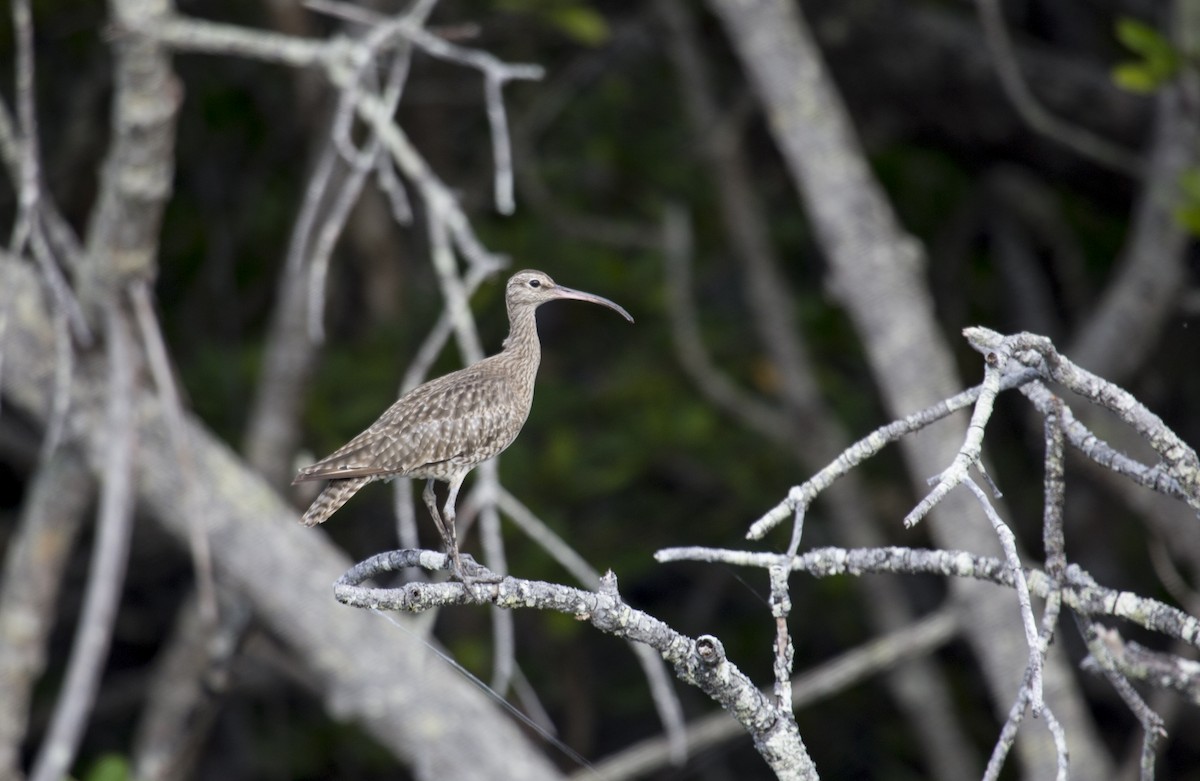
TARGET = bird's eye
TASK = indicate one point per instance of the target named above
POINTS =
(535, 282)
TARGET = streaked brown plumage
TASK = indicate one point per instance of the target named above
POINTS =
(443, 429)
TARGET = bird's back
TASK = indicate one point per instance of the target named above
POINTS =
(442, 427)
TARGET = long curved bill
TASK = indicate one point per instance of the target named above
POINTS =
(579, 295)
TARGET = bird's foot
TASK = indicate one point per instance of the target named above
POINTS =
(467, 571)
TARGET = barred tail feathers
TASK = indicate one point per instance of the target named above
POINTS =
(337, 493)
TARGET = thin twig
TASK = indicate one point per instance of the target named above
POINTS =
(453, 289)
(361, 163)
(785, 651)
(1096, 449)
(1008, 735)
(972, 446)
(1097, 638)
(115, 522)
(64, 368)
(36, 560)
(1054, 490)
(341, 58)
(1008, 544)
(804, 494)
(720, 389)
(1033, 351)
(27, 228)
(487, 484)
(1167, 671)
(1083, 141)
(29, 189)
(495, 74)
(172, 410)
(502, 156)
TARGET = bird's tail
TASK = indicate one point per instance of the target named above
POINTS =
(337, 493)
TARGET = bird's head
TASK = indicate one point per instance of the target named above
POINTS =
(533, 288)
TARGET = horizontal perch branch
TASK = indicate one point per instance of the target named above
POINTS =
(1080, 591)
(700, 662)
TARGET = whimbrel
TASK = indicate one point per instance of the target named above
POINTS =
(443, 429)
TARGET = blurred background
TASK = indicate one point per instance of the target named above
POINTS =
(626, 450)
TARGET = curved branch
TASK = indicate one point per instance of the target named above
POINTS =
(109, 557)
(34, 567)
(1083, 141)
(700, 661)
(1038, 352)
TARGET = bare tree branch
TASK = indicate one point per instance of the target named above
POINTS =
(808, 687)
(700, 662)
(1080, 592)
(1032, 351)
(803, 495)
(1136, 661)
(1152, 724)
(107, 572)
(190, 679)
(155, 350)
(34, 565)
(670, 711)
(1082, 141)
(296, 320)
(135, 181)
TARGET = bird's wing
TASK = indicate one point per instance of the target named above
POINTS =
(466, 417)
(466, 421)
(354, 459)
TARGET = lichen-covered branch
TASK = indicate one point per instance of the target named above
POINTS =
(700, 662)
(1038, 352)
(1080, 592)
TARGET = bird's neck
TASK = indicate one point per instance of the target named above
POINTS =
(522, 338)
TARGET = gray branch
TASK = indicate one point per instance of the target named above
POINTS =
(1080, 592)
(700, 662)
(36, 560)
(107, 571)
(1037, 352)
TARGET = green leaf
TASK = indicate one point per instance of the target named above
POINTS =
(1189, 183)
(1143, 39)
(585, 25)
(574, 18)
(1158, 60)
(1189, 218)
(1136, 77)
(109, 767)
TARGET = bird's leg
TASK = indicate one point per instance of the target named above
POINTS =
(431, 502)
(448, 533)
(445, 522)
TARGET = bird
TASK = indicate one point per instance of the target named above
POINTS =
(441, 430)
